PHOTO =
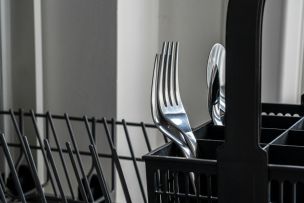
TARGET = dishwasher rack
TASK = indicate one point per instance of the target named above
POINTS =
(62, 160)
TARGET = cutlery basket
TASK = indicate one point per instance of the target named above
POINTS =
(282, 136)
(258, 156)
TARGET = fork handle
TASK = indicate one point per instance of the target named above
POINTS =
(192, 142)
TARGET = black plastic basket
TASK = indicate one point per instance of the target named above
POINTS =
(282, 136)
(259, 156)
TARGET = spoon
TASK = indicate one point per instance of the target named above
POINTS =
(216, 84)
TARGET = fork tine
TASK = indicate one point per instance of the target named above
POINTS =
(172, 76)
(160, 82)
(177, 93)
(167, 74)
(154, 108)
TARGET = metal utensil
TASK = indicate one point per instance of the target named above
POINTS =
(216, 84)
(169, 99)
(168, 130)
(160, 121)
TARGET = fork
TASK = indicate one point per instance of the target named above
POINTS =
(169, 99)
(161, 123)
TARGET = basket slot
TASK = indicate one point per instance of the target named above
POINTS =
(290, 138)
(206, 149)
(299, 125)
(283, 109)
(270, 134)
(286, 155)
(211, 132)
(295, 138)
(278, 122)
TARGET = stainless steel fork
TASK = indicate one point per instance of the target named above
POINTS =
(167, 129)
(169, 99)
(161, 123)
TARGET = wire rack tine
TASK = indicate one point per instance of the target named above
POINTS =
(86, 182)
(134, 161)
(100, 176)
(48, 150)
(21, 127)
(92, 138)
(47, 132)
(113, 128)
(34, 170)
(50, 120)
(83, 193)
(43, 152)
(146, 136)
(12, 168)
(90, 133)
(19, 134)
(2, 195)
(117, 163)
(2, 184)
(2, 189)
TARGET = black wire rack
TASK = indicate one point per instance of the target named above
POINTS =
(65, 162)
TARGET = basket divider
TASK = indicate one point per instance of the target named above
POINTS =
(242, 164)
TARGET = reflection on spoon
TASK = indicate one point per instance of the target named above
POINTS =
(216, 84)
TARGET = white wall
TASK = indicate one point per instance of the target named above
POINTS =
(272, 50)
(292, 52)
(80, 56)
(79, 60)
(137, 44)
(282, 59)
